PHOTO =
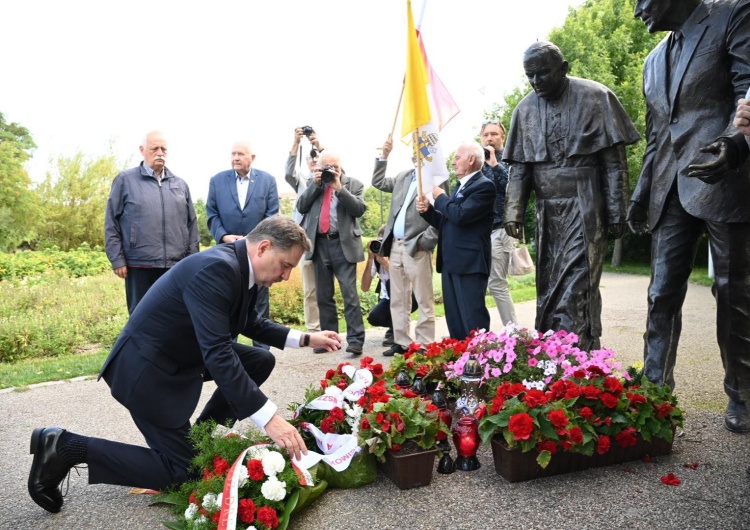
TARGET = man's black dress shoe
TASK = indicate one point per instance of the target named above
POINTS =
(47, 470)
(354, 349)
(737, 418)
(396, 348)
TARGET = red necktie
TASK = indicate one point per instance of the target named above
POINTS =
(325, 210)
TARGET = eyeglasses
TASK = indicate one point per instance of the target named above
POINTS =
(494, 122)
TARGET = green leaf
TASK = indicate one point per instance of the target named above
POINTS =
(166, 498)
(543, 458)
(289, 506)
(175, 525)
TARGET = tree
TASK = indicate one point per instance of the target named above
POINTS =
(378, 209)
(206, 238)
(18, 206)
(74, 194)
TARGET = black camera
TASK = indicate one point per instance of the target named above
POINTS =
(375, 245)
(486, 154)
(307, 130)
(327, 175)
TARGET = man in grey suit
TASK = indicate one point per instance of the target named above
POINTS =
(408, 242)
(239, 199)
(334, 202)
(696, 179)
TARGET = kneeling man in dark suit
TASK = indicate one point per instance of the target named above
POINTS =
(182, 334)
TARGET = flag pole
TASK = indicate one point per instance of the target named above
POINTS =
(398, 108)
(418, 163)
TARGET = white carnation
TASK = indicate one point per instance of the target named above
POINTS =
(192, 509)
(201, 520)
(273, 489)
(242, 474)
(273, 462)
(210, 502)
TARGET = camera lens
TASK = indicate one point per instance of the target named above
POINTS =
(326, 175)
(375, 246)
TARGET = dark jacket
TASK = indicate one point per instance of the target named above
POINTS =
(227, 216)
(182, 331)
(149, 223)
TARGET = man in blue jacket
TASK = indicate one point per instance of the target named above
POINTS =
(150, 221)
(464, 223)
(181, 335)
(239, 199)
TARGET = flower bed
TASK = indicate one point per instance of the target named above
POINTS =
(552, 408)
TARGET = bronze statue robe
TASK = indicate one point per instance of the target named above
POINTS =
(571, 153)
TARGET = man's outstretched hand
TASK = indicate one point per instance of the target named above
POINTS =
(285, 436)
(715, 169)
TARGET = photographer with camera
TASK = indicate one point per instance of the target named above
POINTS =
(377, 266)
(299, 179)
(408, 242)
(334, 202)
(492, 135)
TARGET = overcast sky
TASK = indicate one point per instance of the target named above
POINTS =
(80, 74)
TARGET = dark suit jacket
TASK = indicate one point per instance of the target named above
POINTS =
(713, 72)
(227, 216)
(350, 208)
(464, 224)
(182, 331)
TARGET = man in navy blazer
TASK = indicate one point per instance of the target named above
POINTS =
(180, 335)
(239, 199)
(464, 223)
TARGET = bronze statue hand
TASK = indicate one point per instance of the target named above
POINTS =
(617, 230)
(713, 171)
(637, 219)
(513, 229)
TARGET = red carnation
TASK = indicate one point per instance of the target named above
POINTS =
(549, 445)
(386, 426)
(431, 407)
(602, 445)
(364, 424)
(323, 384)
(422, 370)
(220, 465)
(576, 435)
(566, 444)
(558, 418)
(670, 480)
(534, 398)
(268, 517)
(516, 388)
(579, 374)
(255, 469)
(558, 389)
(627, 437)
(365, 361)
(246, 510)
(328, 425)
(395, 448)
(408, 393)
(377, 370)
(330, 373)
(192, 499)
(521, 426)
(342, 384)
(586, 413)
(337, 413)
(609, 400)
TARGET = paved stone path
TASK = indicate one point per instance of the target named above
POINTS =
(715, 495)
